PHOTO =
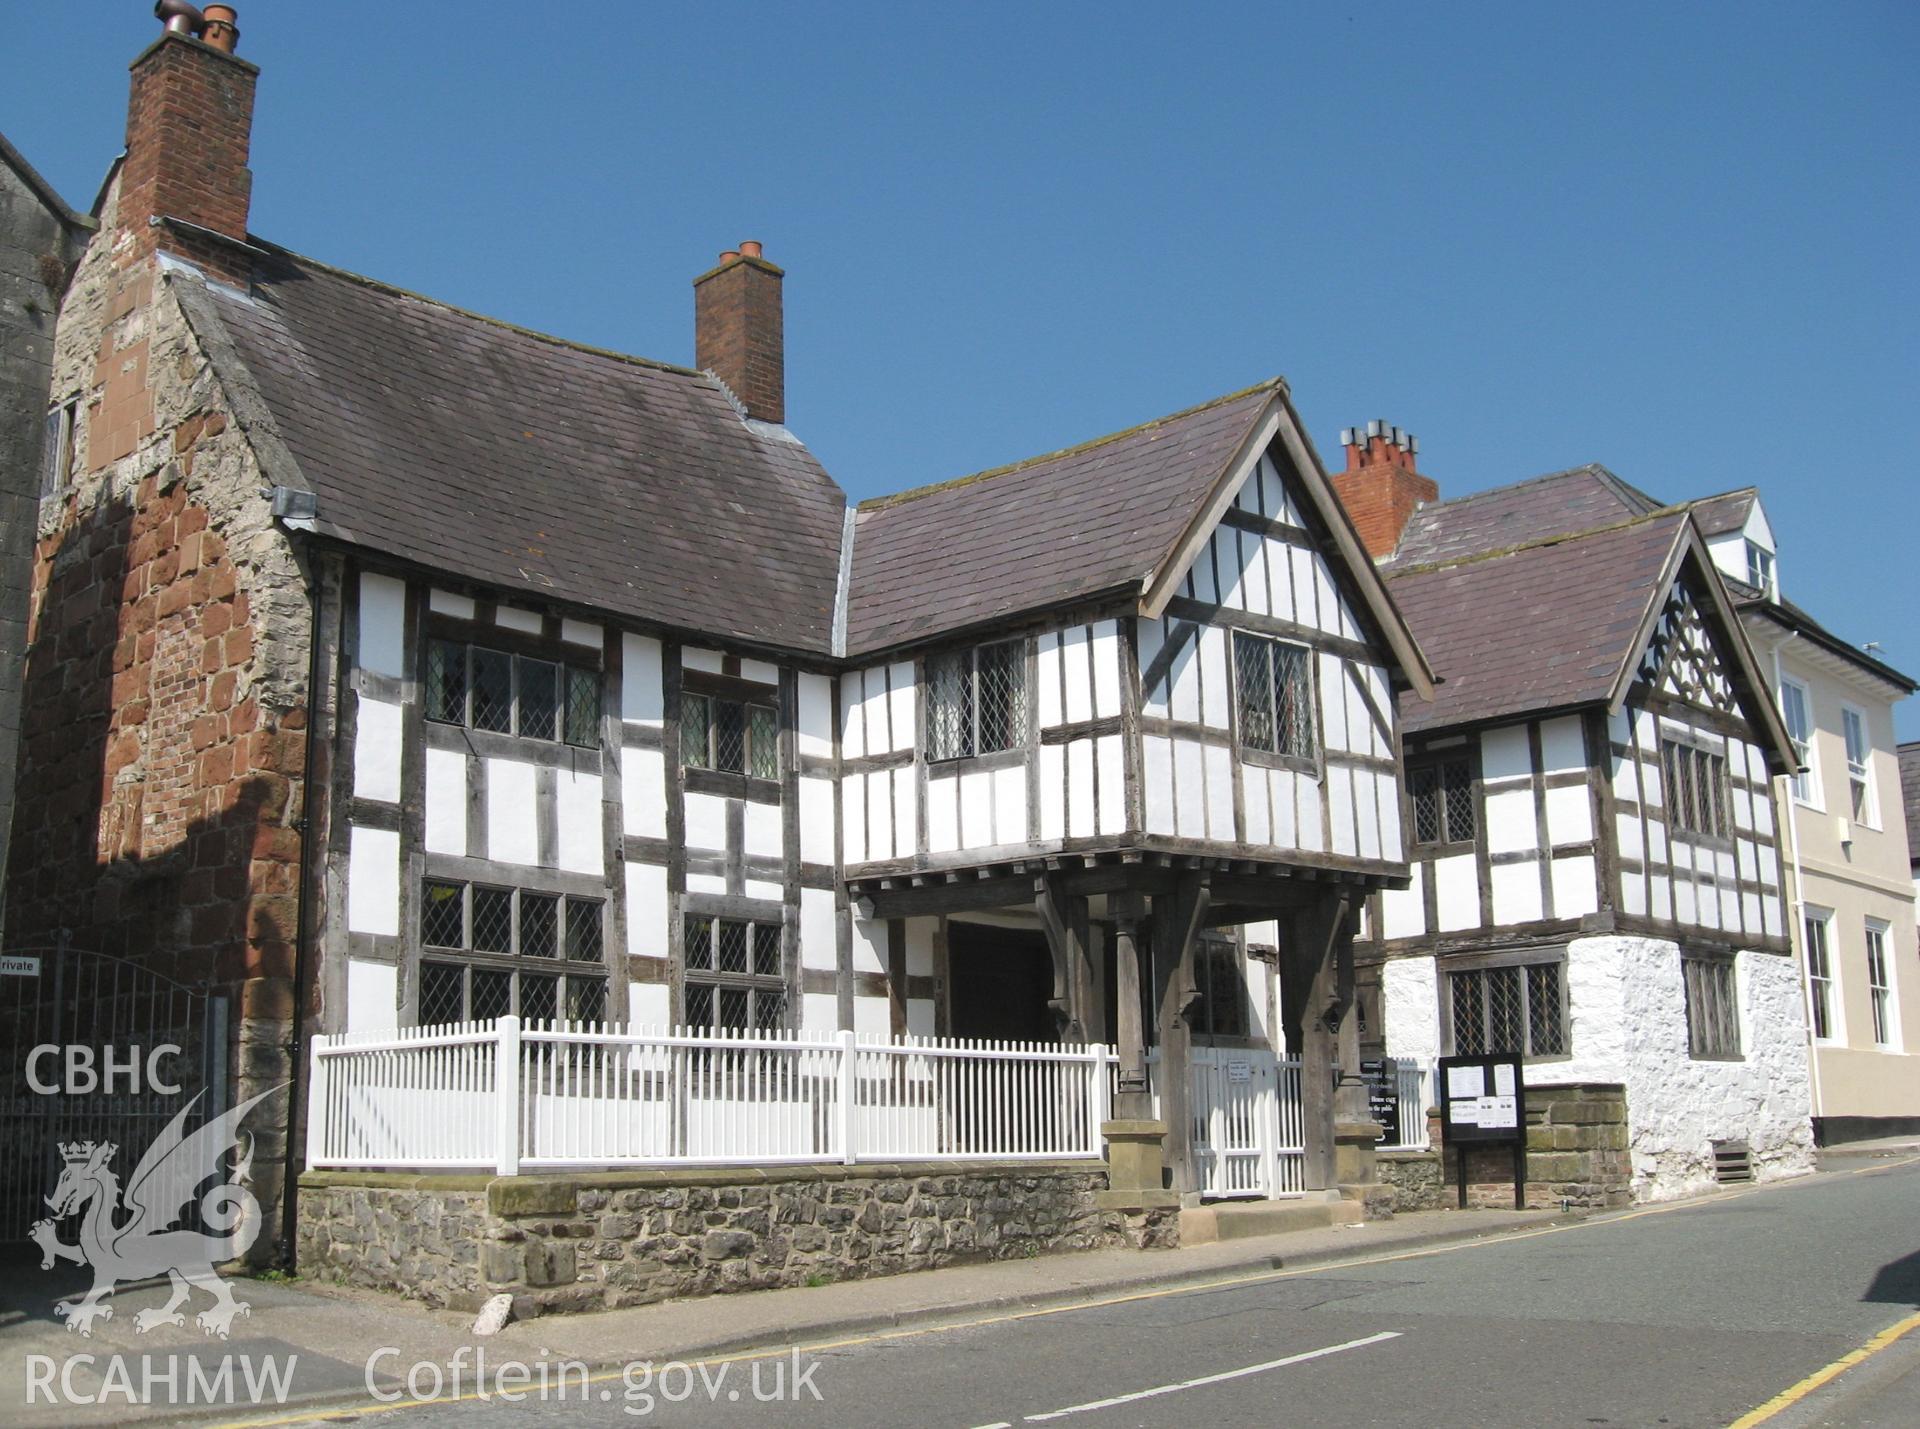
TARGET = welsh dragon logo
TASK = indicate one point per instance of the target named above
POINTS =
(146, 1244)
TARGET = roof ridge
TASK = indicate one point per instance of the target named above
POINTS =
(1394, 573)
(1545, 476)
(551, 339)
(881, 503)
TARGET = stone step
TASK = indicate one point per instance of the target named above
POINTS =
(1238, 1220)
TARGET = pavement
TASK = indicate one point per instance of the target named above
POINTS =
(353, 1350)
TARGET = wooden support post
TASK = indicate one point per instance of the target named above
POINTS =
(1309, 986)
(1178, 919)
(1134, 1100)
(1063, 917)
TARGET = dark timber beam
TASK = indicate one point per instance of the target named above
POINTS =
(1178, 919)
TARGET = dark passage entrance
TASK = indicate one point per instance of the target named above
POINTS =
(1001, 979)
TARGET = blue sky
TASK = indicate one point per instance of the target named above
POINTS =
(1674, 239)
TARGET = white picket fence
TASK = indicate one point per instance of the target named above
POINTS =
(544, 1095)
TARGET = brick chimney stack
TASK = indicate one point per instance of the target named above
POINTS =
(1380, 488)
(189, 126)
(739, 332)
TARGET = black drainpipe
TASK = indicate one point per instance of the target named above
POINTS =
(296, 1144)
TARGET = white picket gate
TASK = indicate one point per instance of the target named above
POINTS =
(1248, 1137)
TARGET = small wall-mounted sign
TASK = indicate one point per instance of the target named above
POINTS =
(1239, 1071)
(15, 965)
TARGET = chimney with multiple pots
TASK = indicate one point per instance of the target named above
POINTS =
(1380, 487)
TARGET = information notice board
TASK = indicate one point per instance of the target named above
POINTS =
(1382, 1076)
(1483, 1101)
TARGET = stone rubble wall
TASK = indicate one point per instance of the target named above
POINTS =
(608, 1239)
(1577, 1155)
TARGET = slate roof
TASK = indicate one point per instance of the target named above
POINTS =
(1090, 520)
(1556, 504)
(1910, 795)
(1546, 626)
(1717, 515)
(505, 456)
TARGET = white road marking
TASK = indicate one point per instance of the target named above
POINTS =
(1215, 1378)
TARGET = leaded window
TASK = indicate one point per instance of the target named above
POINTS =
(1273, 683)
(733, 974)
(1222, 984)
(1517, 1009)
(1696, 788)
(977, 700)
(489, 951)
(1442, 793)
(1713, 1011)
(733, 736)
(512, 694)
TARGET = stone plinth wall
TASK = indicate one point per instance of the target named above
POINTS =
(607, 1239)
(1577, 1152)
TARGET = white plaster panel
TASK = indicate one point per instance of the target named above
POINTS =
(1504, 753)
(1340, 809)
(709, 661)
(1410, 1007)
(818, 924)
(1510, 821)
(869, 945)
(1200, 574)
(580, 845)
(819, 1012)
(640, 680)
(647, 910)
(1190, 790)
(1403, 911)
(762, 888)
(1328, 603)
(643, 793)
(1077, 673)
(1633, 894)
(761, 672)
(706, 883)
(1053, 797)
(1256, 799)
(1184, 678)
(513, 812)
(647, 1005)
(1333, 702)
(943, 813)
(1283, 797)
(920, 933)
(880, 831)
(582, 632)
(448, 602)
(1516, 892)
(1231, 548)
(376, 751)
(853, 817)
(373, 881)
(1010, 805)
(853, 725)
(1106, 668)
(1080, 791)
(1310, 833)
(1362, 737)
(1366, 808)
(1576, 888)
(816, 820)
(1660, 896)
(900, 706)
(446, 792)
(1215, 693)
(761, 831)
(1391, 847)
(922, 1017)
(1152, 634)
(906, 812)
(1456, 893)
(1046, 673)
(976, 810)
(1274, 501)
(1219, 767)
(1280, 583)
(1157, 767)
(872, 1017)
(1563, 745)
(813, 715)
(514, 617)
(373, 995)
(706, 816)
(383, 624)
(1569, 814)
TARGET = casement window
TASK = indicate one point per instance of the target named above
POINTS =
(977, 700)
(1796, 708)
(1696, 788)
(1273, 682)
(512, 694)
(1222, 984)
(1713, 1007)
(487, 952)
(1442, 795)
(57, 457)
(732, 736)
(1822, 992)
(1760, 568)
(1866, 809)
(733, 976)
(1879, 985)
(1512, 1008)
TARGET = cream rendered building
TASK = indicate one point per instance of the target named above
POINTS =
(1849, 870)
